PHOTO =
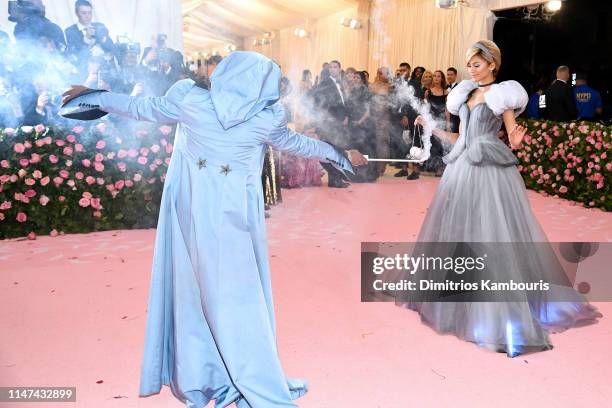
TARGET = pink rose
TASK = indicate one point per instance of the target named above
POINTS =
(144, 151)
(1, 216)
(99, 167)
(100, 181)
(155, 148)
(164, 142)
(132, 153)
(9, 131)
(563, 189)
(99, 157)
(53, 233)
(48, 140)
(137, 177)
(167, 160)
(71, 138)
(19, 148)
(604, 155)
(95, 204)
(579, 170)
(43, 200)
(158, 162)
(129, 183)
(119, 184)
(590, 165)
(21, 217)
(68, 150)
(609, 166)
(71, 183)
(53, 159)
(152, 167)
(110, 187)
(24, 162)
(86, 162)
(37, 174)
(110, 155)
(27, 144)
(78, 147)
(61, 199)
(4, 164)
(60, 142)
(97, 214)
(90, 180)
(6, 205)
(34, 158)
(58, 180)
(169, 148)
(77, 129)
(22, 173)
(32, 236)
(39, 128)
(64, 174)
(121, 154)
(165, 130)
(30, 182)
(84, 202)
(142, 160)
(79, 175)
(122, 166)
(44, 181)
(30, 193)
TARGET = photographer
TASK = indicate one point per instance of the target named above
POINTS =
(33, 27)
(85, 38)
(165, 61)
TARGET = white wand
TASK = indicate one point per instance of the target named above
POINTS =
(392, 160)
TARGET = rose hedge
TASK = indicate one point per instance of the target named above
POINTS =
(56, 180)
(568, 160)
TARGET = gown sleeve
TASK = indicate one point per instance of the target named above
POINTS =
(162, 109)
(505, 96)
(459, 94)
(284, 139)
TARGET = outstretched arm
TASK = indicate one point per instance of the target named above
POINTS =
(284, 139)
(163, 109)
(443, 134)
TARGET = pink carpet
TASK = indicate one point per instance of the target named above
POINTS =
(73, 314)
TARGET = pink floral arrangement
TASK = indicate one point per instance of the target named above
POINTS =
(56, 180)
(568, 160)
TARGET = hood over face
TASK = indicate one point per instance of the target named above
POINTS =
(242, 85)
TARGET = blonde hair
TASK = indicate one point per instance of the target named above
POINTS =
(423, 78)
(487, 50)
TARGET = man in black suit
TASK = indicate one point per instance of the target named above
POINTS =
(560, 103)
(86, 38)
(330, 101)
(451, 78)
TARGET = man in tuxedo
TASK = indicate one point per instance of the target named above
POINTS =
(451, 77)
(86, 38)
(330, 101)
(560, 104)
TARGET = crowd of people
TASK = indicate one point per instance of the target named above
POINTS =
(345, 107)
(45, 59)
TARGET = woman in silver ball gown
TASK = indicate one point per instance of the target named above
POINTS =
(482, 198)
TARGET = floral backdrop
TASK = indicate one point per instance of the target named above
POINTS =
(55, 180)
(568, 160)
(101, 177)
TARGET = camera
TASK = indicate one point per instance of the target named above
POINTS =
(19, 10)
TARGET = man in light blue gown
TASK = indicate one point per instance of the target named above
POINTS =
(210, 326)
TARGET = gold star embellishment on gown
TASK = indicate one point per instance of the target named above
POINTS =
(201, 163)
(225, 169)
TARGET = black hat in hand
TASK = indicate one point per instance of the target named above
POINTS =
(73, 109)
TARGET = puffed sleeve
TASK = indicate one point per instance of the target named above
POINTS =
(161, 109)
(507, 95)
(459, 95)
(284, 139)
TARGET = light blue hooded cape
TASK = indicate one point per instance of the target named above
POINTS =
(210, 326)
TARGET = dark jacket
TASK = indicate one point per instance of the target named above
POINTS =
(560, 104)
(76, 41)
